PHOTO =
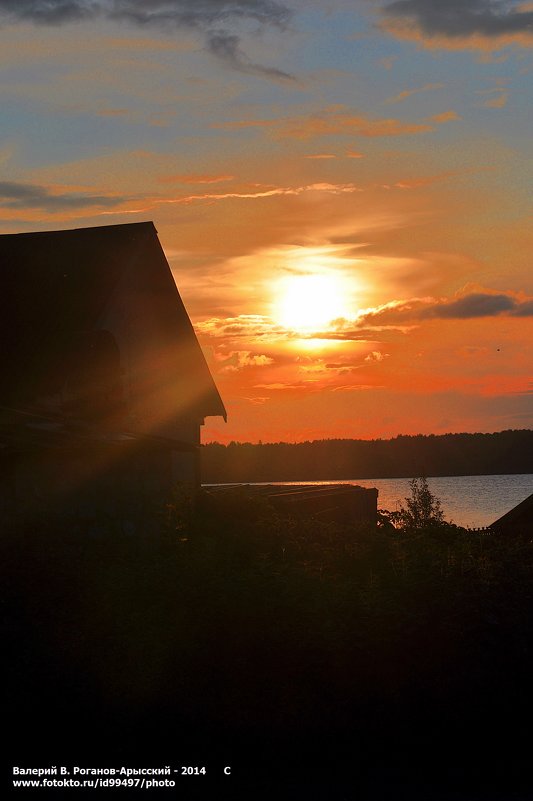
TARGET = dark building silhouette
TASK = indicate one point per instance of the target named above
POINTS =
(338, 503)
(103, 382)
(517, 521)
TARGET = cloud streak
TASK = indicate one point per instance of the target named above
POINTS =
(226, 47)
(27, 197)
(428, 87)
(195, 178)
(259, 194)
(331, 121)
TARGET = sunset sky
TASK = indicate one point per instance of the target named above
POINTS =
(343, 195)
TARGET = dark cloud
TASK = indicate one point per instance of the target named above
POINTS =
(474, 305)
(196, 13)
(181, 13)
(462, 18)
(349, 334)
(31, 196)
(524, 309)
(208, 16)
(226, 47)
(48, 12)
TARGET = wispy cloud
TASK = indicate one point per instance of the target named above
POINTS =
(356, 388)
(428, 87)
(335, 120)
(226, 46)
(24, 197)
(194, 178)
(211, 17)
(328, 188)
(258, 194)
(445, 116)
(319, 156)
(497, 101)
(426, 180)
(497, 96)
(388, 62)
(280, 385)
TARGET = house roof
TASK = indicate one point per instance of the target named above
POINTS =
(519, 517)
(57, 285)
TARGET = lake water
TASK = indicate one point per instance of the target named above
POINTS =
(472, 501)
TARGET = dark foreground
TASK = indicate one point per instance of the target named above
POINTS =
(316, 661)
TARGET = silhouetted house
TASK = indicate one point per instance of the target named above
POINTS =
(518, 521)
(103, 383)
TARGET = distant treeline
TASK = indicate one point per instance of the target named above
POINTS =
(401, 457)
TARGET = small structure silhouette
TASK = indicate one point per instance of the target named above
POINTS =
(332, 503)
(104, 384)
(517, 521)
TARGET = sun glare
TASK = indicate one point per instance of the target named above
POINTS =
(309, 302)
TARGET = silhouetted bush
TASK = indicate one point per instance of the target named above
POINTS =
(242, 625)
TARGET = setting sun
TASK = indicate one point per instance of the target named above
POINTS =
(307, 302)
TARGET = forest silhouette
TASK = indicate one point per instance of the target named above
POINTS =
(402, 457)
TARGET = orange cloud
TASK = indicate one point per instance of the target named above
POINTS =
(244, 326)
(499, 101)
(376, 356)
(488, 57)
(239, 359)
(333, 120)
(427, 180)
(113, 112)
(235, 125)
(194, 178)
(445, 116)
(279, 385)
(408, 32)
(428, 87)
(388, 62)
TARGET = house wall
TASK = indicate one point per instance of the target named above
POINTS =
(157, 382)
(127, 360)
(98, 488)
